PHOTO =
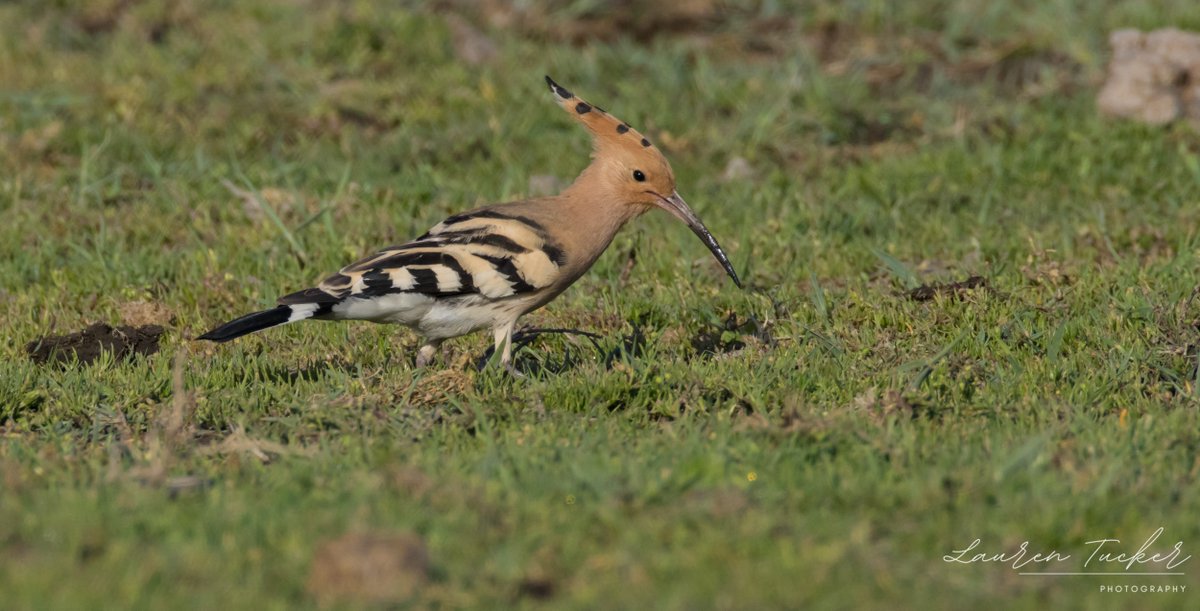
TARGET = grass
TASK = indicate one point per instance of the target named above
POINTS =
(830, 467)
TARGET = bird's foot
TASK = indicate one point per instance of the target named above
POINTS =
(425, 355)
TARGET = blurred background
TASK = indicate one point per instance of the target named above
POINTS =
(773, 82)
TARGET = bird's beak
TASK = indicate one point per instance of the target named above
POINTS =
(676, 206)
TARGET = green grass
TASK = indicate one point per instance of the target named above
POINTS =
(831, 467)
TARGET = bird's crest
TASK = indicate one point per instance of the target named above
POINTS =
(606, 129)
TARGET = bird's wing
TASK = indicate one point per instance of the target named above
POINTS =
(488, 252)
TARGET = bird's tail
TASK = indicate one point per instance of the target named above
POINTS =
(261, 320)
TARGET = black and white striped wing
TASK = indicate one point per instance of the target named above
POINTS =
(486, 252)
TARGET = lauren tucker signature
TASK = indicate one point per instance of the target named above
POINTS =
(1104, 553)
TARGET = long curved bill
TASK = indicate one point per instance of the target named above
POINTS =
(679, 208)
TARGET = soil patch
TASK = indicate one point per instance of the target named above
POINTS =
(927, 292)
(376, 568)
(141, 313)
(87, 345)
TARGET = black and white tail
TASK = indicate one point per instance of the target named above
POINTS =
(262, 320)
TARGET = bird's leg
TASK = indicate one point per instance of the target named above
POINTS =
(503, 335)
(427, 352)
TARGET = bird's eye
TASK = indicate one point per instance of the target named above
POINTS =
(638, 176)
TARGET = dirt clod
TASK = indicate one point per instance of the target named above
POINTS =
(87, 345)
(927, 292)
(369, 567)
(538, 587)
(1153, 77)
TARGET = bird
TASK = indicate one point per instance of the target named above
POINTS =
(485, 268)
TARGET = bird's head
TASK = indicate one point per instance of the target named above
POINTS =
(631, 171)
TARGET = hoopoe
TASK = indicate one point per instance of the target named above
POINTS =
(487, 267)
